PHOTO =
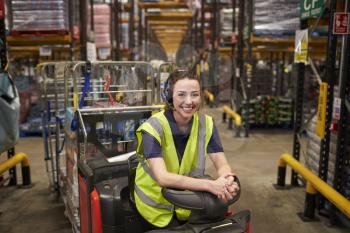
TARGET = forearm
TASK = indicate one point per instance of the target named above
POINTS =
(221, 164)
(224, 169)
(172, 180)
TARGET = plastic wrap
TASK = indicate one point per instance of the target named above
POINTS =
(36, 15)
(102, 25)
(276, 17)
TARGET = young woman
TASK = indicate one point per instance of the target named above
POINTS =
(172, 147)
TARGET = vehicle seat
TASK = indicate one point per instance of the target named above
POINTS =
(132, 163)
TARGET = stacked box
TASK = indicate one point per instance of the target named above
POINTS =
(270, 111)
(34, 15)
(285, 111)
(102, 25)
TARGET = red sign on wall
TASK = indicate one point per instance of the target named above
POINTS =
(341, 23)
(2, 9)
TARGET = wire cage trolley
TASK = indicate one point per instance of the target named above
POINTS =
(54, 78)
(162, 72)
(109, 101)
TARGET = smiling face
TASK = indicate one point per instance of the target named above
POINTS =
(186, 99)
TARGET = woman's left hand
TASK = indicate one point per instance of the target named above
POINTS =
(231, 185)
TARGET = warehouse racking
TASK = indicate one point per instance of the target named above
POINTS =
(326, 152)
(157, 16)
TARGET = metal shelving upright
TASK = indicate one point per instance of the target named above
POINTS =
(341, 181)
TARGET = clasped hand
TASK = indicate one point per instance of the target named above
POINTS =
(225, 188)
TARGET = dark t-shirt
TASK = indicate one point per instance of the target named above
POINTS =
(152, 148)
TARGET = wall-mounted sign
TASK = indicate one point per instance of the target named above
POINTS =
(341, 23)
(311, 8)
(301, 46)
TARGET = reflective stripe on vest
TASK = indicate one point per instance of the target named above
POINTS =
(150, 202)
(199, 170)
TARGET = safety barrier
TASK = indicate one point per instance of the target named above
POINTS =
(13, 161)
(232, 116)
(209, 97)
(314, 184)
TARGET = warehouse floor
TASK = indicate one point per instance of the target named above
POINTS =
(253, 159)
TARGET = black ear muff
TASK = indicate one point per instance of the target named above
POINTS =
(168, 90)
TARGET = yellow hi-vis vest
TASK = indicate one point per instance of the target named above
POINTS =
(148, 197)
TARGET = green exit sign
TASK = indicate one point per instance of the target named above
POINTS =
(311, 8)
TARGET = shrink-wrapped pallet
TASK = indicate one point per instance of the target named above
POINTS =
(35, 15)
(276, 17)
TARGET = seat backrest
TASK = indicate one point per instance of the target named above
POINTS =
(132, 163)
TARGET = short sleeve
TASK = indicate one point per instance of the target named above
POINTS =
(215, 144)
(151, 147)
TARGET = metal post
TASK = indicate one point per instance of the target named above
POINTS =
(26, 178)
(230, 123)
(92, 15)
(240, 45)
(131, 31)
(146, 40)
(249, 74)
(310, 202)
(195, 30)
(277, 77)
(116, 30)
(112, 31)
(12, 171)
(330, 79)
(344, 85)
(83, 29)
(71, 29)
(202, 23)
(139, 32)
(214, 29)
(57, 136)
(282, 74)
(233, 75)
(342, 159)
(281, 176)
(298, 111)
(3, 49)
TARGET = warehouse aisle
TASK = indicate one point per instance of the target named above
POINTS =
(254, 161)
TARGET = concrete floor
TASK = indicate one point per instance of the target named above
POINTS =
(253, 159)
